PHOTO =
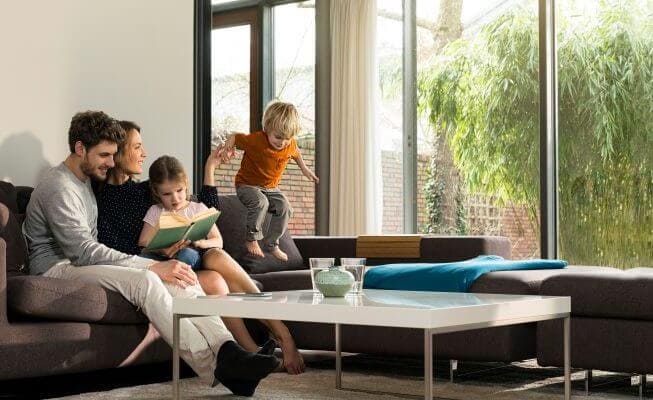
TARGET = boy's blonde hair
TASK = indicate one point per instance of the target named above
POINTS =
(282, 118)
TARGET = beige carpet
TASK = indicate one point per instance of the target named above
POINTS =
(371, 378)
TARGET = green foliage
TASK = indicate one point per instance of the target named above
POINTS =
(484, 93)
(433, 194)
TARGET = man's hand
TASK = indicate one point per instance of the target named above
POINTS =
(175, 272)
(174, 249)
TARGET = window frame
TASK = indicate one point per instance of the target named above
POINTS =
(548, 105)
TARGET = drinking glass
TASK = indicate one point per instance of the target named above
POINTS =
(356, 266)
(317, 265)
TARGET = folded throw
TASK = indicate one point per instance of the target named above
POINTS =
(447, 277)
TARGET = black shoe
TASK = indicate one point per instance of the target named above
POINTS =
(241, 371)
(268, 348)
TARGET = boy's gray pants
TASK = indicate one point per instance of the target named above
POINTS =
(260, 201)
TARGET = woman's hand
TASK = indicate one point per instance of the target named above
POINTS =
(200, 244)
(174, 249)
(213, 160)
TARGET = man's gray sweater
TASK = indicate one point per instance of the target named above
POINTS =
(61, 224)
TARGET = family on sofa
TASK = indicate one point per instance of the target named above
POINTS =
(96, 321)
(62, 231)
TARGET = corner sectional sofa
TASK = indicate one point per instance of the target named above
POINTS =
(51, 326)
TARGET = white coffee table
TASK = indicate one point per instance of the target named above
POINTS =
(434, 312)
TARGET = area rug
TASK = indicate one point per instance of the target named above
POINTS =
(374, 378)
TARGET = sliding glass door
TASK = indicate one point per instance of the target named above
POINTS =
(605, 51)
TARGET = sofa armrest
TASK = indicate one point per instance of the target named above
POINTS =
(325, 246)
(604, 294)
(3, 282)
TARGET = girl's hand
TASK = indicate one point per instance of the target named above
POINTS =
(174, 249)
(199, 244)
(205, 244)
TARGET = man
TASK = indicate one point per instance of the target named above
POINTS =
(60, 227)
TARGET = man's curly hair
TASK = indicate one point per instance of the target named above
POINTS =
(92, 127)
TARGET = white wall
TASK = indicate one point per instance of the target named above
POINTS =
(132, 59)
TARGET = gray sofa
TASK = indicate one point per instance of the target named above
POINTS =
(611, 323)
(50, 326)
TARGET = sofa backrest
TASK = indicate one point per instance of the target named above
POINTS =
(16, 255)
(8, 196)
(232, 225)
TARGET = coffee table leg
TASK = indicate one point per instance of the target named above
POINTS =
(175, 356)
(338, 359)
(567, 356)
(428, 364)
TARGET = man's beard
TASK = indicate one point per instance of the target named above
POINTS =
(93, 173)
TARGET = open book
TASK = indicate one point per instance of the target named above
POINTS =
(173, 228)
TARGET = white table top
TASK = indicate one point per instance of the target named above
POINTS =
(432, 310)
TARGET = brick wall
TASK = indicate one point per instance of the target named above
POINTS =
(483, 217)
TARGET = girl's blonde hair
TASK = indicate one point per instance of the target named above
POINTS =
(166, 169)
(282, 119)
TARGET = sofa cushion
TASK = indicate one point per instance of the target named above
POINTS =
(523, 282)
(23, 195)
(611, 294)
(8, 196)
(284, 280)
(67, 300)
(232, 225)
(10, 231)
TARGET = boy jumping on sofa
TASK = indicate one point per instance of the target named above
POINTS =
(266, 154)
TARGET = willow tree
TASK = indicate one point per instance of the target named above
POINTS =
(484, 93)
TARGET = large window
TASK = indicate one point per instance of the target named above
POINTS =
(234, 75)
(294, 81)
(389, 109)
(231, 79)
(239, 70)
(606, 124)
(478, 120)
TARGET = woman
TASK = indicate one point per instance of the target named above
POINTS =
(122, 204)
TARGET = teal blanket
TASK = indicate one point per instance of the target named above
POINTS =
(446, 277)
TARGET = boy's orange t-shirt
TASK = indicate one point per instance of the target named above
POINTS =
(262, 165)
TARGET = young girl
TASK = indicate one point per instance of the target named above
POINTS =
(169, 183)
(169, 189)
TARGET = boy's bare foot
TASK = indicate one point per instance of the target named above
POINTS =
(254, 249)
(277, 253)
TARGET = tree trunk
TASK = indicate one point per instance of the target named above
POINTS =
(449, 27)
(443, 170)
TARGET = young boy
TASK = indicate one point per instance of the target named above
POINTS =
(266, 155)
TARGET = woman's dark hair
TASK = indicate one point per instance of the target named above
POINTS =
(129, 125)
(92, 127)
(164, 169)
